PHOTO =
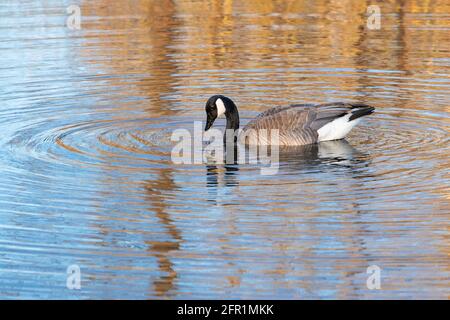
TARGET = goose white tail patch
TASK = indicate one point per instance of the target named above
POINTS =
(337, 129)
(220, 107)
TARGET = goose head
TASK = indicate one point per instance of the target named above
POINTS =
(219, 105)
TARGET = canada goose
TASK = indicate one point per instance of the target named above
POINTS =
(298, 124)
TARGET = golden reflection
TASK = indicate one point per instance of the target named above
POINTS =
(156, 191)
(136, 39)
(192, 49)
(160, 39)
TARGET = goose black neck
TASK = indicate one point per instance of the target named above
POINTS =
(232, 119)
(232, 115)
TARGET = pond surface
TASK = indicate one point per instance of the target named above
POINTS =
(87, 178)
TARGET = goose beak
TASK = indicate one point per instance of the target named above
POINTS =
(209, 123)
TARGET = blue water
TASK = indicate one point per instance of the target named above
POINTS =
(87, 178)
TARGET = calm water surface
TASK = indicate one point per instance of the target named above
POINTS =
(87, 179)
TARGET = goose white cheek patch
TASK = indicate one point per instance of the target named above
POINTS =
(220, 107)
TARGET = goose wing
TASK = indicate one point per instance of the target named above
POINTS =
(292, 123)
(300, 124)
(275, 110)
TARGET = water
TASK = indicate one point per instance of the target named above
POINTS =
(87, 179)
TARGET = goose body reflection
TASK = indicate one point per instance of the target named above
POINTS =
(314, 157)
(306, 159)
(295, 125)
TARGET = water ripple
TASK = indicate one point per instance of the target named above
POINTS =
(87, 177)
